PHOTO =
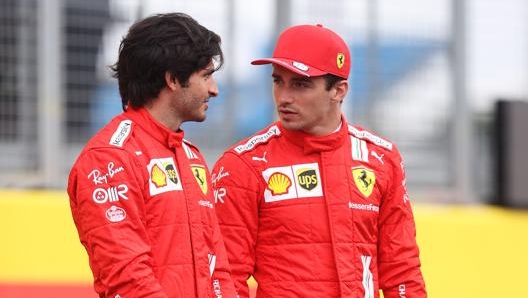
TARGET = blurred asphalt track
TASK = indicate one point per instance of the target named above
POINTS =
(466, 251)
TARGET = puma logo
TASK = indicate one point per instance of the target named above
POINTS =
(375, 154)
(263, 158)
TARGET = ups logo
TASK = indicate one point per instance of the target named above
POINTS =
(307, 178)
(171, 172)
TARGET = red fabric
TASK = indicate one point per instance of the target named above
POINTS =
(311, 50)
(145, 219)
(296, 214)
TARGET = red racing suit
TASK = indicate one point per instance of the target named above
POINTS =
(311, 216)
(142, 201)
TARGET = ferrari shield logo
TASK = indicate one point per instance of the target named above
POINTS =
(340, 60)
(199, 175)
(365, 180)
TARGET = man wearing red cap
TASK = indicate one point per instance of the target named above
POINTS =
(312, 206)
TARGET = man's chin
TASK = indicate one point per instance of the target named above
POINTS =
(196, 119)
(290, 125)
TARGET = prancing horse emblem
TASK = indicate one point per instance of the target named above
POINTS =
(365, 180)
(200, 176)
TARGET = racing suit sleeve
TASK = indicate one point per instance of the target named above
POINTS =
(399, 262)
(107, 205)
(236, 195)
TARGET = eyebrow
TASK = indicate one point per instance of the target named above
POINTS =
(303, 79)
(296, 79)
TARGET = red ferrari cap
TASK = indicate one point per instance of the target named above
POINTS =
(311, 50)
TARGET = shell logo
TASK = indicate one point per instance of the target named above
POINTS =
(279, 183)
(158, 176)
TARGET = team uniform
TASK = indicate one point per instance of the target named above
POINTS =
(312, 216)
(142, 202)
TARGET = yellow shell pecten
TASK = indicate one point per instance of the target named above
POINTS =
(158, 176)
(279, 183)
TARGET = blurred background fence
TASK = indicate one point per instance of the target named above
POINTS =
(425, 74)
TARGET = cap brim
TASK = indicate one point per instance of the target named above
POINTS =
(302, 69)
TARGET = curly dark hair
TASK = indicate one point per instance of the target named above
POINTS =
(172, 42)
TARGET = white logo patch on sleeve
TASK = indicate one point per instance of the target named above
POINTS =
(115, 214)
(255, 140)
(366, 135)
(121, 133)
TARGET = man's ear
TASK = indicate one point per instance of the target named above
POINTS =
(171, 81)
(339, 90)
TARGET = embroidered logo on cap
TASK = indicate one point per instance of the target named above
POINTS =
(340, 60)
(300, 66)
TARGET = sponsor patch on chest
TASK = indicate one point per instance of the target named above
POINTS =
(200, 176)
(365, 179)
(164, 176)
(292, 182)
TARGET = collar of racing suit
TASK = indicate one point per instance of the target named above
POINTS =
(313, 144)
(158, 131)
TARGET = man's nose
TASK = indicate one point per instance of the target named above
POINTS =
(283, 95)
(213, 88)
